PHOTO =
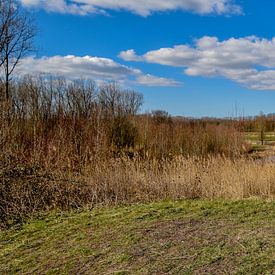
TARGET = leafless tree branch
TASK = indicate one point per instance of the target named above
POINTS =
(17, 31)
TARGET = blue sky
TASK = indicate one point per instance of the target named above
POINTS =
(192, 57)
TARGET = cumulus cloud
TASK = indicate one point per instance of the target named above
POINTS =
(150, 80)
(130, 55)
(71, 66)
(60, 6)
(249, 61)
(140, 7)
(96, 68)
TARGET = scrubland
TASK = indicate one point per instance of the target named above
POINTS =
(70, 145)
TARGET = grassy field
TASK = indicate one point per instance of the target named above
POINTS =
(255, 138)
(183, 237)
(265, 150)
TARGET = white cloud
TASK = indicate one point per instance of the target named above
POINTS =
(130, 55)
(96, 68)
(140, 7)
(71, 66)
(60, 6)
(249, 61)
(150, 80)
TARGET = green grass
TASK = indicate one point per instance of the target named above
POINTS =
(185, 237)
(258, 148)
(256, 136)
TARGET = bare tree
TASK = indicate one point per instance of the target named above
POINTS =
(3, 25)
(116, 101)
(17, 32)
(109, 97)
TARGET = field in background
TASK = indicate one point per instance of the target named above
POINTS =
(262, 148)
(188, 237)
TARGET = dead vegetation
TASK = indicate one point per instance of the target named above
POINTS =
(68, 145)
(27, 191)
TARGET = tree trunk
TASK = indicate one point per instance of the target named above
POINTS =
(7, 79)
(7, 88)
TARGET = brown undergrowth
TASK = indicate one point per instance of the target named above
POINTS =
(26, 191)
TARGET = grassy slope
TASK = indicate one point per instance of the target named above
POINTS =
(186, 237)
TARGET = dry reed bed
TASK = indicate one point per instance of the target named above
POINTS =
(27, 191)
(215, 177)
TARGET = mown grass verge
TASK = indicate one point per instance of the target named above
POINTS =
(182, 237)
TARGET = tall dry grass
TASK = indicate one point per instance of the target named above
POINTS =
(26, 191)
(192, 177)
